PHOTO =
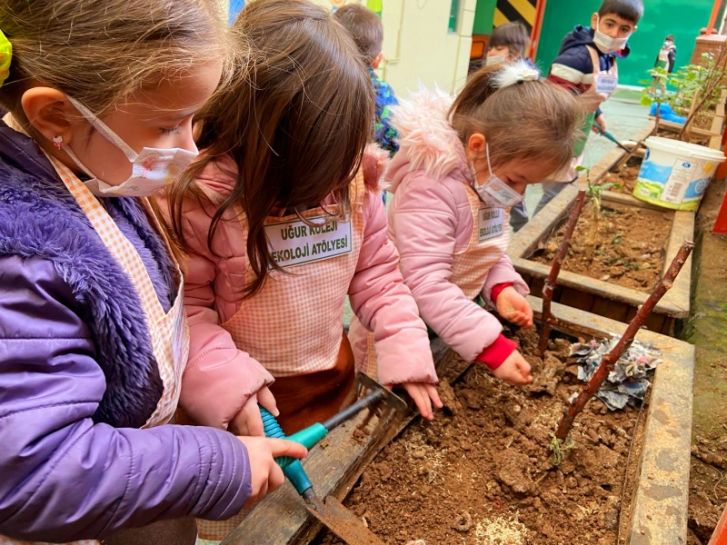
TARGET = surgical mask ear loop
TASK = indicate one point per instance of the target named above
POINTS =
(104, 129)
(487, 155)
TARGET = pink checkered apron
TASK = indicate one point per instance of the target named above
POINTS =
(470, 266)
(294, 325)
(489, 240)
(168, 331)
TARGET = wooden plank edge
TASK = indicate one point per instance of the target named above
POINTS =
(660, 508)
(682, 230)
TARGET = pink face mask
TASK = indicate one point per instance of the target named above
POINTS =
(152, 169)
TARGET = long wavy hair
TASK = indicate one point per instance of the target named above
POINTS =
(295, 119)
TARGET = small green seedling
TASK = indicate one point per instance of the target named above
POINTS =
(559, 449)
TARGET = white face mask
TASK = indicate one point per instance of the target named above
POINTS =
(151, 170)
(494, 192)
(605, 43)
(496, 59)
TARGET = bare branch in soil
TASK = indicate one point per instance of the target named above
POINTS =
(624, 342)
(550, 282)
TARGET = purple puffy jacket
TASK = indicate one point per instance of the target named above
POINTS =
(78, 378)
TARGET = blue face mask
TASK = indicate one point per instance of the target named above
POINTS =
(493, 191)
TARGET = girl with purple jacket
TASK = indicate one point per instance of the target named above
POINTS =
(93, 340)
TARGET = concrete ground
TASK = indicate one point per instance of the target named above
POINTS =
(707, 330)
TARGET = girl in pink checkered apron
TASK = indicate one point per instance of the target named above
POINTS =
(282, 219)
(461, 167)
(93, 338)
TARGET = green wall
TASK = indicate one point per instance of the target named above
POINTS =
(484, 13)
(682, 18)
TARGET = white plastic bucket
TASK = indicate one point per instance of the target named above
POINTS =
(675, 174)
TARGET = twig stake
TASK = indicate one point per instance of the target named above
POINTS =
(550, 282)
(624, 342)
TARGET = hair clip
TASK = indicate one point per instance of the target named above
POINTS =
(517, 72)
(6, 56)
(57, 142)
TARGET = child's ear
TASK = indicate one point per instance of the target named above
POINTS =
(476, 144)
(49, 112)
(377, 60)
(594, 20)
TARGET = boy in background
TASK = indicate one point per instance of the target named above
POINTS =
(587, 66)
(367, 31)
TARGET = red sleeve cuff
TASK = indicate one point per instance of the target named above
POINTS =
(497, 290)
(495, 355)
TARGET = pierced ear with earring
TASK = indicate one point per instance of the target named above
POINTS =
(57, 142)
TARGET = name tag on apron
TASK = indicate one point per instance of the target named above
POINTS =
(295, 242)
(606, 83)
(490, 223)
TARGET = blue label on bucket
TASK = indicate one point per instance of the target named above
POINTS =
(654, 172)
(696, 189)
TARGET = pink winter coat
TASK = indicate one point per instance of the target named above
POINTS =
(430, 220)
(220, 376)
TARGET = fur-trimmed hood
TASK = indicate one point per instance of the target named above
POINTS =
(428, 141)
(40, 219)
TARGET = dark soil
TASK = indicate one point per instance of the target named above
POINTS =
(481, 472)
(628, 247)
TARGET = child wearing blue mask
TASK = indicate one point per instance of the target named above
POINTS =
(587, 66)
(93, 341)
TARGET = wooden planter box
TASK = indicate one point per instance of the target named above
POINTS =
(601, 297)
(658, 511)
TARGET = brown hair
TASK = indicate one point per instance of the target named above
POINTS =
(513, 35)
(631, 10)
(365, 27)
(101, 51)
(529, 119)
(295, 119)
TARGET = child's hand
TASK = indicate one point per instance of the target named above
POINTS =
(248, 421)
(591, 100)
(423, 395)
(599, 125)
(514, 370)
(265, 474)
(514, 307)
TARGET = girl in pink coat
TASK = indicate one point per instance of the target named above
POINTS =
(461, 167)
(281, 222)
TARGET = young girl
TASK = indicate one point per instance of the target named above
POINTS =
(508, 43)
(461, 167)
(92, 336)
(280, 227)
